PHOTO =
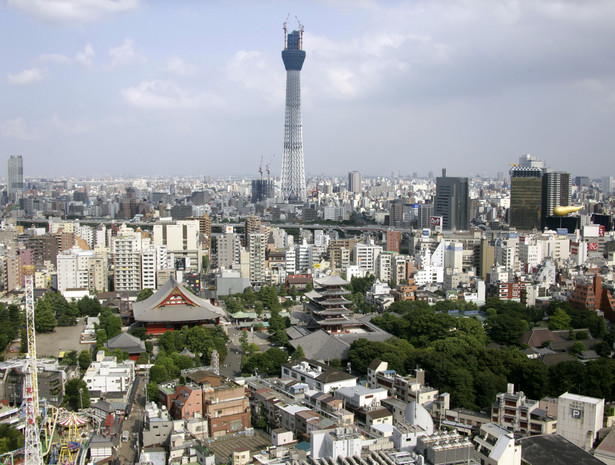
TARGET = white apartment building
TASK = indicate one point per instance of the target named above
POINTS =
(258, 247)
(530, 253)
(127, 247)
(86, 233)
(399, 270)
(304, 257)
(229, 248)
(365, 256)
(148, 268)
(384, 267)
(182, 240)
(81, 269)
(105, 375)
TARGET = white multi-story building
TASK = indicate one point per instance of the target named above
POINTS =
(229, 248)
(81, 269)
(361, 396)
(384, 267)
(258, 247)
(335, 443)
(579, 418)
(106, 375)
(86, 233)
(182, 240)
(127, 247)
(304, 257)
(530, 252)
(497, 446)
(148, 268)
(365, 256)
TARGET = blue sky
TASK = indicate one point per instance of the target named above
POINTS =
(135, 87)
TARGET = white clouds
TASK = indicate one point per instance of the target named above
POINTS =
(255, 71)
(125, 55)
(83, 58)
(164, 95)
(73, 11)
(57, 124)
(27, 76)
(175, 65)
(16, 129)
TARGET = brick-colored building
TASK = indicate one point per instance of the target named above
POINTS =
(182, 401)
(226, 409)
(593, 296)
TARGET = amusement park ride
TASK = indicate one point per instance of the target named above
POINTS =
(40, 418)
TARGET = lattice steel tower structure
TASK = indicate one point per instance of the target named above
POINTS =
(293, 173)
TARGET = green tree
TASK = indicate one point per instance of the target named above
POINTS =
(84, 359)
(111, 323)
(243, 341)
(159, 373)
(152, 391)
(559, 320)
(144, 294)
(44, 319)
(268, 362)
(76, 394)
(70, 358)
(10, 438)
(140, 332)
(577, 348)
(298, 353)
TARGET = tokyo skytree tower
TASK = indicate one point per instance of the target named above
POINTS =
(293, 173)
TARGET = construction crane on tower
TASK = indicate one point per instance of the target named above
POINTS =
(267, 167)
(260, 168)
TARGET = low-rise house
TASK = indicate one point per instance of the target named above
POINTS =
(318, 376)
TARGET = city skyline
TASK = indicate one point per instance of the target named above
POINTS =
(150, 88)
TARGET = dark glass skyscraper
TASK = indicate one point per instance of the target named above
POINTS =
(293, 173)
(556, 192)
(452, 202)
(525, 211)
(15, 176)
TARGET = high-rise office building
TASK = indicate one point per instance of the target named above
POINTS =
(15, 176)
(452, 202)
(525, 211)
(556, 192)
(354, 181)
(293, 173)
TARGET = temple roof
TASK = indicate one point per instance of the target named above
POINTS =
(173, 302)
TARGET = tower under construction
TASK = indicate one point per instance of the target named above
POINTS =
(293, 173)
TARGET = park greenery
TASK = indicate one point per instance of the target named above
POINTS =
(52, 310)
(11, 318)
(10, 438)
(460, 357)
(200, 341)
(76, 394)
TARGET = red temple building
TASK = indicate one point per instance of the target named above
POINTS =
(172, 307)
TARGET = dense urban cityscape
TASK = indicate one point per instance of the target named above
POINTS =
(434, 318)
